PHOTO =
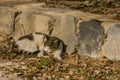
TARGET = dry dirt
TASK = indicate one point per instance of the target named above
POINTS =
(15, 66)
(104, 7)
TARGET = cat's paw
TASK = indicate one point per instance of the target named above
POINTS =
(40, 54)
(58, 57)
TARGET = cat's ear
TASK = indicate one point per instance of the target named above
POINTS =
(45, 39)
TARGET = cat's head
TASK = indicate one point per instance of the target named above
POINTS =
(52, 44)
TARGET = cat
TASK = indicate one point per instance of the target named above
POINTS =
(55, 47)
(25, 44)
(41, 43)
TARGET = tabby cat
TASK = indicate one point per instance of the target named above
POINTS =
(41, 43)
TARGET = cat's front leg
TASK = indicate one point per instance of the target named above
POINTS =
(57, 54)
(41, 53)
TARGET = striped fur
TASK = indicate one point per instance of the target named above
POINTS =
(42, 44)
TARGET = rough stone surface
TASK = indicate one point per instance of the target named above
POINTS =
(65, 30)
(43, 23)
(14, 0)
(59, 25)
(32, 22)
(76, 29)
(111, 47)
(29, 7)
(11, 2)
(6, 20)
(87, 16)
(22, 26)
(91, 37)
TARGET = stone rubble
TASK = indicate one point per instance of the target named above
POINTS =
(22, 19)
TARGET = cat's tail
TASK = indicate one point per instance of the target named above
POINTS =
(18, 51)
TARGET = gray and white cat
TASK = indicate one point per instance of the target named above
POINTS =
(42, 43)
(25, 44)
(55, 47)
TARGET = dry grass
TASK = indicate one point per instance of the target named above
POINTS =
(106, 7)
(72, 67)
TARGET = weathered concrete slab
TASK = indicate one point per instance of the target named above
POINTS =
(71, 26)
(32, 22)
(6, 20)
(55, 24)
(64, 27)
(91, 37)
(14, 1)
(29, 7)
(65, 30)
(111, 48)
(43, 23)
(107, 24)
